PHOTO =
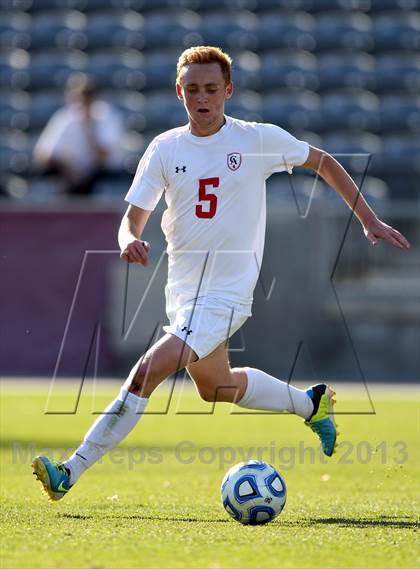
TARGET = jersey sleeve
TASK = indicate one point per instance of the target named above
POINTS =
(281, 151)
(149, 181)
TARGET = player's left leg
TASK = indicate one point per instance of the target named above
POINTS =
(165, 357)
(254, 389)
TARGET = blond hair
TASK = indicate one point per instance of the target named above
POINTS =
(205, 54)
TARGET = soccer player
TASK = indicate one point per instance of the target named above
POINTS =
(213, 173)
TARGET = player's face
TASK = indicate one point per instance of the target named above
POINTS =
(203, 91)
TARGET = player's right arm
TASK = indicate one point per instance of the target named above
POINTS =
(133, 249)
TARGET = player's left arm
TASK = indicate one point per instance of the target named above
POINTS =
(339, 179)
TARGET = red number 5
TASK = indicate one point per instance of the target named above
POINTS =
(203, 196)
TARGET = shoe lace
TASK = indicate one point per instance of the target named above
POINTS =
(315, 428)
(60, 466)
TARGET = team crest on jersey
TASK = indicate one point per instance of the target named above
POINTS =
(234, 160)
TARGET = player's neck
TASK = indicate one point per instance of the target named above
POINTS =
(196, 130)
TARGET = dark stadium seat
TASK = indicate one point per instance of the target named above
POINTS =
(354, 110)
(286, 30)
(13, 186)
(373, 188)
(14, 69)
(92, 6)
(52, 68)
(15, 30)
(237, 30)
(402, 187)
(310, 137)
(14, 109)
(291, 69)
(20, 5)
(222, 5)
(178, 29)
(160, 69)
(320, 6)
(34, 6)
(163, 111)
(351, 142)
(300, 110)
(58, 29)
(297, 5)
(149, 135)
(133, 145)
(359, 55)
(289, 5)
(144, 6)
(115, 29)
(130, 104)
(343, 69)
(396, 30)
(245, 106)
(113, 188)
(382, 5)
(397, 71)
(400, 112)
(246, 69)
(15, 155)
(117, 68)
(42, 106)
(343, 30)
(400, 155)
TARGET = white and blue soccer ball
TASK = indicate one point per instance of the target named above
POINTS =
(253, 492)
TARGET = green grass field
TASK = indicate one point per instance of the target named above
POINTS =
(155, 502)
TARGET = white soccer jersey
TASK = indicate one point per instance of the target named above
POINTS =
(215, 219)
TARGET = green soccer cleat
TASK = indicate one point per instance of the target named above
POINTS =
(54, 477)
(322, 419)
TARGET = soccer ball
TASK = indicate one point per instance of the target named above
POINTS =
(253, 492)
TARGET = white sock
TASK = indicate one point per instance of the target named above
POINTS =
(116, 422)
(267, 393)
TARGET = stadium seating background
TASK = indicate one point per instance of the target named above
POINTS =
(342, 74)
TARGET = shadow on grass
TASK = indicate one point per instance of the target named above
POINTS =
(380, 521)
(191, 519)
(346, 522)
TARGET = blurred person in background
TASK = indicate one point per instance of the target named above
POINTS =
(81, 142)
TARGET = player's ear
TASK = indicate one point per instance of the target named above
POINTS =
(179, 92)
(229, 90)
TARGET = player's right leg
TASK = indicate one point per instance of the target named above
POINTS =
(167, 356)
(254, 389)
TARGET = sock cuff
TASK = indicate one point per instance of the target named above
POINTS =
(250, 388)
(133, 401)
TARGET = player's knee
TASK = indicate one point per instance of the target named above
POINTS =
(207, 394)
(221, 393)
(236, 370)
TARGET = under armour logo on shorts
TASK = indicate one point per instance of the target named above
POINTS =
(184, 329)
(180, 169)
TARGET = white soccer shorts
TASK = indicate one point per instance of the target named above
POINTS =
(206, 324)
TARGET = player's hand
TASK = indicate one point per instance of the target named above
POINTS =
(136, 252)
(377, 229)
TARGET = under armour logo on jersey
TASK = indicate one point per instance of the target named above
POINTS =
(180, 169)
(234, 160)
(184, 329)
